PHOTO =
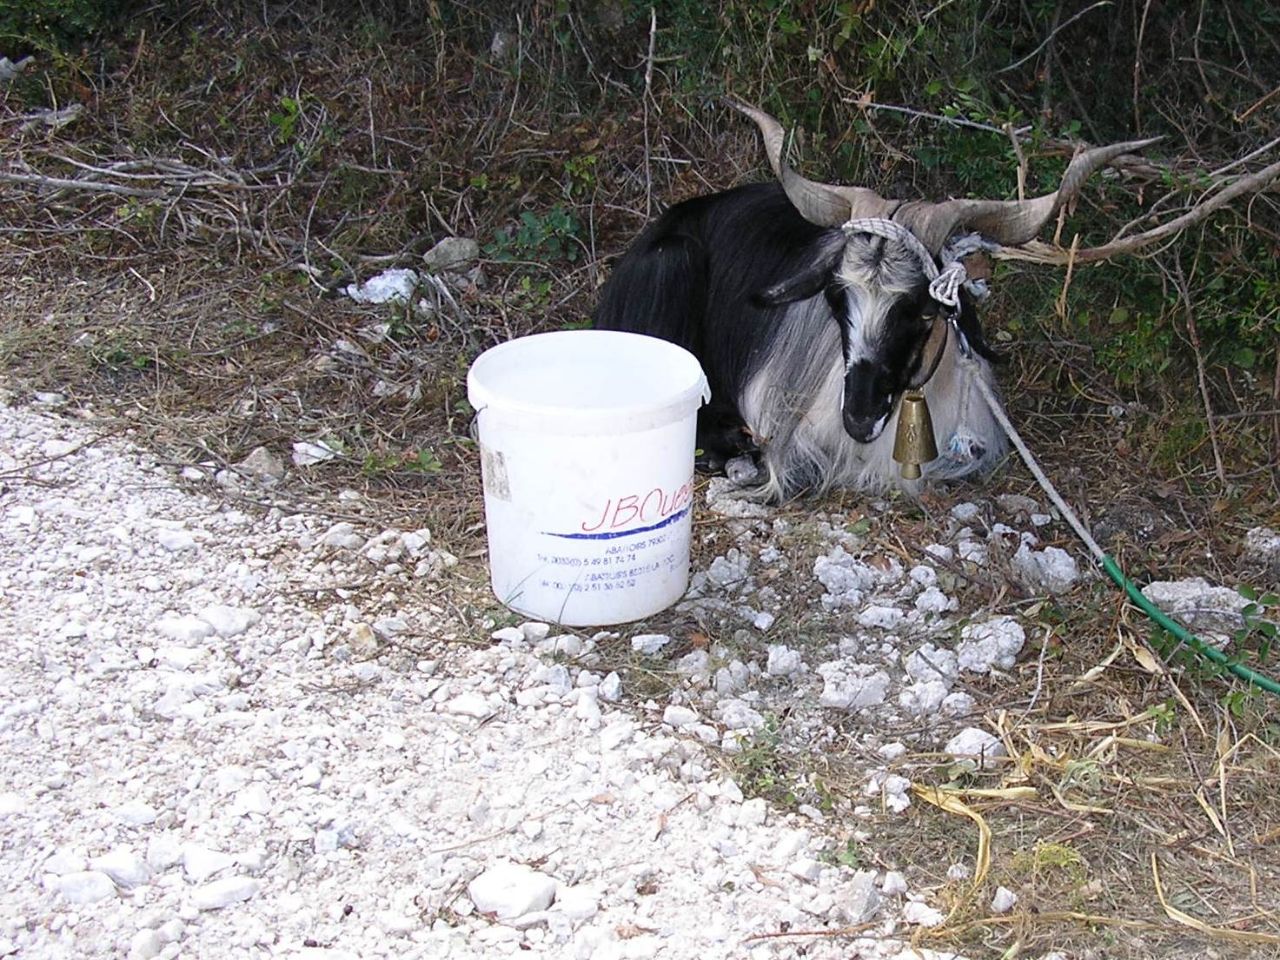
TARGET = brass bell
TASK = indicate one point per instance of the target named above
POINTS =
(914, 443)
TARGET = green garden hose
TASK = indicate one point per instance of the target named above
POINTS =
(1181, 633)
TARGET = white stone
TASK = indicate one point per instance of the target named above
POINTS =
(990, 644)
(892, 751)
(263, 465)
(175, 541)
(1051, 568)
(933, 601)
(806, 868)
(753, 812)
(1262, 544)
(123, 866)
(763, 621)
(200, 863)
(394, 285)
(845, 691)
(309, 452)
(535, 630)
(783, 661)
(932, 663)
(224, 893)
(965, 512)
(876, 615)
(508, 635)
(975, 746)
(509, 890)
(146, 944)
(678, 716)
(959, 872)
(649, 643)
(894, 883)
(578, 903)
(1004, 900)
(737, 714)
(64, 861)
(342, 536)
(253, 799)
(923, 697)
(921, 914)
(959, 704)
(229, 621)
(87, 886)
(185, 629)
(1198, 603)
(611, 687)
(568, 645)
(164, 850)
(136, 813)
(469, 705)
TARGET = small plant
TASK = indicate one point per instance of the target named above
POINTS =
(117, 354)
(760, 770)
(285, 119)
(580, 175)
(850, 855)
(552, 236)
(1260, 629)
(1164, 715)
(423, 462)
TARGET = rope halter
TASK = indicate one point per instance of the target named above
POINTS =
(944, 284)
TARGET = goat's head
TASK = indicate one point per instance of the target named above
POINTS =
(892, 329)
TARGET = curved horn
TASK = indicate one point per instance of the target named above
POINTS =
(826, 205)
(1009, 222)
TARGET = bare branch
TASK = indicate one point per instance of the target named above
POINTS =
(1049, 39)
(1037, 252)
(59, 183)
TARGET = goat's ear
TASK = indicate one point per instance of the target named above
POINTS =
(810, 277)
(971, 327)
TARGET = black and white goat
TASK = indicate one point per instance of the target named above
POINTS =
(811, 310)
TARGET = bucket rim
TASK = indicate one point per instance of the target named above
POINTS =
(679, 403)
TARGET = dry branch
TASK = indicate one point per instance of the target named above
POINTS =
(1039, 252)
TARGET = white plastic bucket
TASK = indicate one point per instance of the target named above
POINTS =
(587, 447)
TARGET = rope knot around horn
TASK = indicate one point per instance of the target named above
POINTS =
(945, 283)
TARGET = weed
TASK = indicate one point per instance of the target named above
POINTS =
(1164, 715)
(121, 354)
(1260, 631)
(849, 855)
(551, 236)
(422, 462)
(760, 770)
(1047, 858)
(285, 119)
(580, 175)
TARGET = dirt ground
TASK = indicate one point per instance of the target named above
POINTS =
(173, 264)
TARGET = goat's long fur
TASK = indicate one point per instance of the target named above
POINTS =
(780, 313)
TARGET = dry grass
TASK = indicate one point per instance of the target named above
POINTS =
(1138, 816)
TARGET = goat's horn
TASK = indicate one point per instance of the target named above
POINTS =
(1010, 222)
(826, 205)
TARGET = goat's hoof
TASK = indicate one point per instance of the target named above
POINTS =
(742, 470)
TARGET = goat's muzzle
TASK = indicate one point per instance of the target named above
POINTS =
(868, 401)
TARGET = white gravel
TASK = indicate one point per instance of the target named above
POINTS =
(198, 759)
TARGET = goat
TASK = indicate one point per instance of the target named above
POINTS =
(811, 310)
